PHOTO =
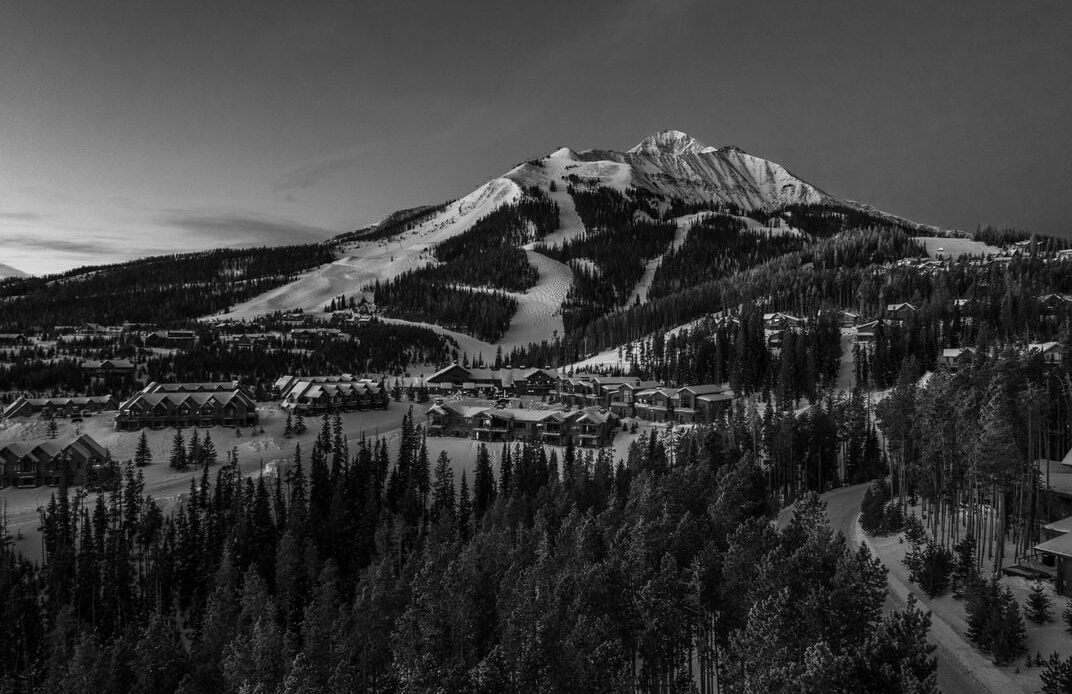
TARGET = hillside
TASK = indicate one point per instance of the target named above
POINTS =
(559, 241)
(7, 271)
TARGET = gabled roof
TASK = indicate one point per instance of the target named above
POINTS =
(706, 389)
(88, 447)
(1042, 346)
(1060, 546)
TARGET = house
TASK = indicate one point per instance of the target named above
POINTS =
(13, 339)
(593, 427)
(901, 311)
(845, 319)
(1057, 550)
(591, 390)
(522, 381)
(175, 339)
(865, 332)
(162, 405)
(1052, 303)
(701, 404)
(311, 335)
(320, 394)
(108, 368)
(953, 357)
(31, 464)
(623, 396)
(655, 404)
(1050, 351)
(781, 321)
(588, 427)
(202, 387)
(60, 407)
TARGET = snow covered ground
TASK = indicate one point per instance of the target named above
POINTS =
(955, 247)
(640, 292)
(539, 311)
(368, 261)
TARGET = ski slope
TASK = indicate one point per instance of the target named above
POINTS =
(365, 262)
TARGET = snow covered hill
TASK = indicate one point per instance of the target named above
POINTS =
(665, 169)
(7, 271)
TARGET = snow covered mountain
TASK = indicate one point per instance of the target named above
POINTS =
(669, 177)
(674, 164)
(7, 271)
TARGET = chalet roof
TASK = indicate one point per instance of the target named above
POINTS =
(49, 448)
(110, 363)
(594, 415)
(716, 397)
(893, 308)
(16, 449)
(1061, 526)
(1042, 346)
(1060, 546)
(954, 352)
(706, 389)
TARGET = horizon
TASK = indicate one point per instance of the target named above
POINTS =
(137, 131)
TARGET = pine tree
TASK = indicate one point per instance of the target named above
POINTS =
(465, 510)
(1038, 605)
(208, 451)
(177, 460)
(299, 425)
(142, 454)
(483, 483)
(288, 429)
(442, 490)
(53, 428)
(1066, 616)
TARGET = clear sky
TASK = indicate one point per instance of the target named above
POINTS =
(138, 127)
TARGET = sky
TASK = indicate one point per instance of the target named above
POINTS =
(131, 128)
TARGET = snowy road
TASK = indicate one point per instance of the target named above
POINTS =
(954, 675)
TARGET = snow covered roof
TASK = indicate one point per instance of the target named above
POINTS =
(1060, 546)
(1061, 526)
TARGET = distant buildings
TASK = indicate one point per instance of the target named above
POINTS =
(591, 427)
(312, 395)
(506, 381)
(162, 405)
(31, 464)
(63, 408)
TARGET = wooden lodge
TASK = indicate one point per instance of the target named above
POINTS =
(162, 405)
(31, 464)
(61, 407)
(591, 427)
(313, 395)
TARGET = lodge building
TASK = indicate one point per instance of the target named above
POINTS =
(510, 381)
(61, 408)
(313, 395)
(162, 405)
(31, 464)
(588, 428)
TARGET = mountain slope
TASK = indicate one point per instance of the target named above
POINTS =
(665, 179)
(6, 271)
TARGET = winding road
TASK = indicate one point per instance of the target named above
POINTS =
(842, 508)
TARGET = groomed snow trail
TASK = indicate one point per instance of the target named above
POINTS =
(539, 311)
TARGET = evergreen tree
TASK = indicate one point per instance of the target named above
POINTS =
(143, 455)
(1038, 607)
(483, 483)
(177, 459)
(465, 510)
(442, 490)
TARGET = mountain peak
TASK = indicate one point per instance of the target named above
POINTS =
(672, 142)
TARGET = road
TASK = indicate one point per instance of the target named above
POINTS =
(842, 507)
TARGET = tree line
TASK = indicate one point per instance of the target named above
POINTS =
(378, 572)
